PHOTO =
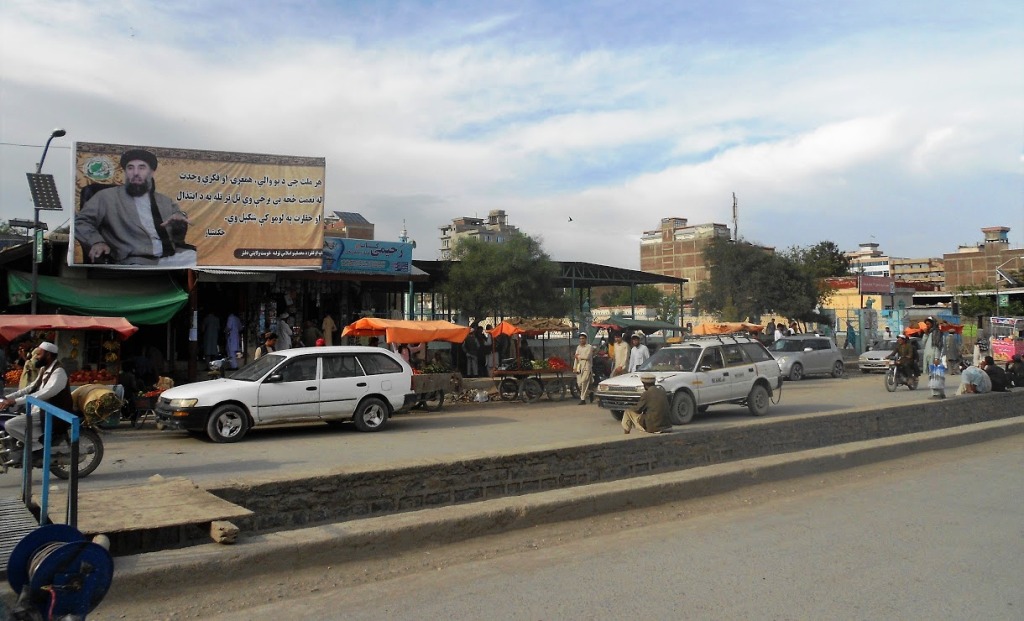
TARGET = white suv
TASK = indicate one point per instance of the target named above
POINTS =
(365, 385)
(698, 373)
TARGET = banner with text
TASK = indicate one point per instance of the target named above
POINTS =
(362, 256)
(203, 209)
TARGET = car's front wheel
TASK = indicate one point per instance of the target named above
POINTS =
(228, 423)
(796, 373)
(371, 415)
(758, 400)
(683, 408)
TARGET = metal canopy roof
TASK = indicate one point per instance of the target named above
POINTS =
(574, 275)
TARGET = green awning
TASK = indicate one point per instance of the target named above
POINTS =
(150, 300)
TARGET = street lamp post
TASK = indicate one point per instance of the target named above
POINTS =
(37, 236)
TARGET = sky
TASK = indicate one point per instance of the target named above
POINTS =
(896, 123)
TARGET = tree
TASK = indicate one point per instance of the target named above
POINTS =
(749, 281)
(513, 278)
(646, 295)
(821, 260)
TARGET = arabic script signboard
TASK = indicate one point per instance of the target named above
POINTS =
(361, 256)
(217, 209)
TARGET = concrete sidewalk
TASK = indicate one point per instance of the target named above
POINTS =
(206, 565)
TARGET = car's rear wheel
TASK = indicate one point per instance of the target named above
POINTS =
(371, 415)
(228, 423)
(796, 373)
(683, 408)
(758, 400)
(837, 369)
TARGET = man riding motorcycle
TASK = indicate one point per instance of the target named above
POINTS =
(905, 358)
(50, 386)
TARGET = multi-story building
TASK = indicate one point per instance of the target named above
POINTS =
(975, 266)
(495, 230)
(931, 271)
(869, 261)
(347, 224)
(677, 249)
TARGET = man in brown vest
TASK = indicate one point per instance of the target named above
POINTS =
(51, 386)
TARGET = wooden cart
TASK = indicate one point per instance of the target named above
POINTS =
(430, 388)
(528, 385)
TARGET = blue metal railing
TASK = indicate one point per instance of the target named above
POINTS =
(49, 411)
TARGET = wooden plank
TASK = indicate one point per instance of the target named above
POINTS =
(159, 504)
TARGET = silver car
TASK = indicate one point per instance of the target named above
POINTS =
(876, 359)
(807, 354)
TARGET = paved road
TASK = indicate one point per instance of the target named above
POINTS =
(459, 430)
(932, 536)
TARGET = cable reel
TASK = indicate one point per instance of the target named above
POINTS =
(59, 573)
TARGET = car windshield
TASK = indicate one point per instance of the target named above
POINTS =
(672, 359)
(788, 345)
(257, 368)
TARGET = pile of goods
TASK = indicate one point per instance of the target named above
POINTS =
(95, 402)
(436, 367)
(102, 376)
(12, 377)
(557, 364)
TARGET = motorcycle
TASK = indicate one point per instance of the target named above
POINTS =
(90, 450)
(894, 377)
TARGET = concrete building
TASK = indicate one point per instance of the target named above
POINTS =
(930, 271)
(495, 230)
(869, 260)
(677, 249)
(975, 266)
(347, 224)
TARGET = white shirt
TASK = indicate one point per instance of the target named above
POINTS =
(53, 385)
(637, 356)
(284, 335)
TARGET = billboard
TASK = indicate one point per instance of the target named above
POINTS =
(363, 256)
(162, 208)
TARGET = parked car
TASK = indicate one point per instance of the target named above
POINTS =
(877, 358)
(800, 355)
(698, 373)
(365, 385)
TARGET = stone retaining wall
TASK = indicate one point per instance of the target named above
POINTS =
(354, 494)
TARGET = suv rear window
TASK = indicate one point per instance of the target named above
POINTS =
(379, 364)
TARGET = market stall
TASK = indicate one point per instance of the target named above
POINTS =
(1007, 338)
(432, 384)
(527, 379)
(727, 327)
(88, 347)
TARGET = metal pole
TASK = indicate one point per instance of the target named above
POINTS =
(57, 133)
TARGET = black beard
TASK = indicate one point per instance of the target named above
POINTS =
(136, 189)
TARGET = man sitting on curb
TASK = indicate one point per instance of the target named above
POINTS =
(651, 413)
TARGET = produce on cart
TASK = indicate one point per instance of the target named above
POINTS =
(435, 379)
(528, 380)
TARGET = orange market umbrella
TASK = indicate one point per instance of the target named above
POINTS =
(407, 331)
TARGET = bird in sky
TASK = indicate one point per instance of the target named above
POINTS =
(570, 218)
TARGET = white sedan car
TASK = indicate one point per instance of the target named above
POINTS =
(365, 385)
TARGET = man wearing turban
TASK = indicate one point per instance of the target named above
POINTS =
(133, 224)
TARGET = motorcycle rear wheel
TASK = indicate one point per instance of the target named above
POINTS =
(90, 454)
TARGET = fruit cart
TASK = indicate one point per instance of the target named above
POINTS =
(529, 380)
(432, 385)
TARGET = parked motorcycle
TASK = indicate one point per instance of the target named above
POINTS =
(90, 450)
(894, 377)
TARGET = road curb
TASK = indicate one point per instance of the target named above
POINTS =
(353, 540)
